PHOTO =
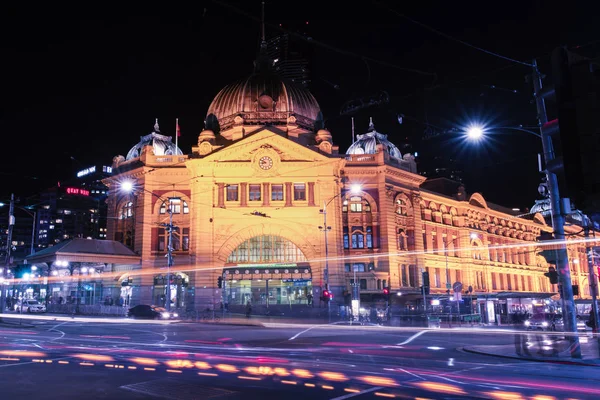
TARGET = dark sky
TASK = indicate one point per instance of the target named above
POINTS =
(81, 84)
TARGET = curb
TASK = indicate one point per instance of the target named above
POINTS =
(5, 324)
(551, 361)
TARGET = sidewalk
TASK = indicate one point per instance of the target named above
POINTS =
(542, 348)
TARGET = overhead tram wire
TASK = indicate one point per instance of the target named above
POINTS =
(324, 45)
(432, 29)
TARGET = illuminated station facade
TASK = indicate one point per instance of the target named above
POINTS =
(248, 204)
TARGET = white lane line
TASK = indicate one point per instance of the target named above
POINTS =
(410, 373)
(304, 331)
(413, 337)
(347, 396)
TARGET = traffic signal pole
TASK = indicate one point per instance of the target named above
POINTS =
(558, 219)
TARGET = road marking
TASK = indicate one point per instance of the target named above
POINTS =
(413, 337)
(410, 373)
(347, 396)
(304, 331)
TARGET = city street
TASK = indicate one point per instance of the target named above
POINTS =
(136, 359)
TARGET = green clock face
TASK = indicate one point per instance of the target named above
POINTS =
(265, 163)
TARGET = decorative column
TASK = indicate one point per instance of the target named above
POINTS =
(266, 195)
(221, 195)
(288, 194)
(311, 194)
(243, 194)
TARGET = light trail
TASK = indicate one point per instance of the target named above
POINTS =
(191, 268)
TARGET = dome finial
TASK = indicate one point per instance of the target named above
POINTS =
(156, 127)
(371, 124)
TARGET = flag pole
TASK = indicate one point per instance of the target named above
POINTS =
(176, 135)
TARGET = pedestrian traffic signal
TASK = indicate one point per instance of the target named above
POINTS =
(552, 275)
(220, 282)
(327, 295)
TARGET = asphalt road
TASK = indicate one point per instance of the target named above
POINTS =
(124, 359)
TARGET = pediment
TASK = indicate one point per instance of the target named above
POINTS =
(265, 142)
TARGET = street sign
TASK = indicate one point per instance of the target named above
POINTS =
(457, 287)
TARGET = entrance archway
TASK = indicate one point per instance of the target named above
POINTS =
(267, 270)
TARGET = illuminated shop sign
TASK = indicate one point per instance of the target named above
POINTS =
(86, 171)
(81, 192)
(90, 170)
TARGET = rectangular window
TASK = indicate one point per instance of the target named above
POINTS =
(346, 238)
(356, 207)
(299, 191)
(369, 237)
(358, 239)
(254, 193)
(345, 206)
(232, 192)
(358, 267)
(185, 239)
(404, 282)
(277, 192)
(175, 204)
(186, 208)
(363, 284)
(162, 240)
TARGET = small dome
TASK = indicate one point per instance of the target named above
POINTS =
(263, 97)
(161, 145)
(367, 143)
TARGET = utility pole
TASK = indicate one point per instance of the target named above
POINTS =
(169, 228)
(326, 271)
(558, 219)
(593, 280)
(7, 261)
(11, 224)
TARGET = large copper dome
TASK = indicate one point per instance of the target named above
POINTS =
(264, 98)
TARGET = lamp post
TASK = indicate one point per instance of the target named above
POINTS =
(475, 132)
(128, 187)
(355, 188)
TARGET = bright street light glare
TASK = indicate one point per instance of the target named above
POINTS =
(474, 132)
(127, 186)
(355, 188)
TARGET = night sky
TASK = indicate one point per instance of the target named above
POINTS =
(81, 85)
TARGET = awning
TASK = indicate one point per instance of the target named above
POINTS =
(524, 295)
(86, 251)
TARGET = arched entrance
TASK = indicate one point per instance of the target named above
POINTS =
(179, 283)
(267, 270)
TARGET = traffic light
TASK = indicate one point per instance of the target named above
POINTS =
(386, 293)
(220, 282)
(552, 275)
(426, 282)
(327, 295)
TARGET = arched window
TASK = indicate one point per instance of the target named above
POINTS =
(358, 237)
(267, 248)
(401, 206)
(175, 204)
(126, 211)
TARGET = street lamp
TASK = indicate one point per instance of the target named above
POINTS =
(476, 132)
(354, 189)
(129, 187)
(558, 219)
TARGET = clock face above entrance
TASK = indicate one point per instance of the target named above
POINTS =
(265, 162)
